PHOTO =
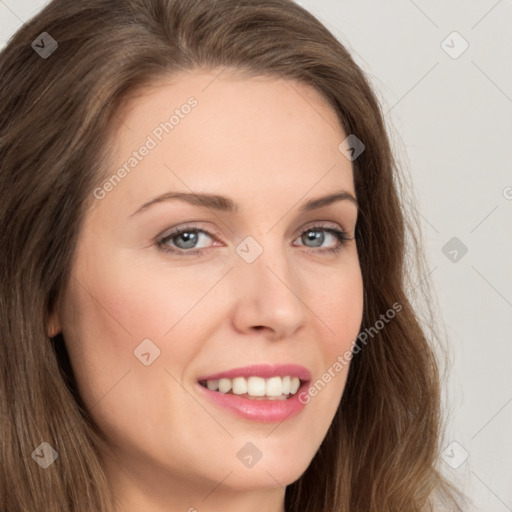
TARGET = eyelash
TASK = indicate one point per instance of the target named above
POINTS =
(342, 237)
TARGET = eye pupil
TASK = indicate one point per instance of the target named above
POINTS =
(189, 237)
(315, 236)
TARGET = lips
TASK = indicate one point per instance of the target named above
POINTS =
(268, 405)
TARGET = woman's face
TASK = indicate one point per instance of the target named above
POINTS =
(148, 314)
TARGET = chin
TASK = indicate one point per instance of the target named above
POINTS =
(267, 473)
(254, 480)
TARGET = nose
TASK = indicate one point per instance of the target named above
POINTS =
(268, 296)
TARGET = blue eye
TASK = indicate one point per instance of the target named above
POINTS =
(317, 235)
(184, 240)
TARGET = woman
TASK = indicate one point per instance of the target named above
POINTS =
(203, 301)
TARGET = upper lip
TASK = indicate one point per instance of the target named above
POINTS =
(263, 370)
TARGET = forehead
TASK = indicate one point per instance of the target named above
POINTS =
(220, 132)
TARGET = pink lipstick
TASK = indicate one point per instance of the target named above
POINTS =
(263, 393)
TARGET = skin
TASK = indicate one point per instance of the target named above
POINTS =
(269, 145)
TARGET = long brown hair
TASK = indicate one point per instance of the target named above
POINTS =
(380, 453)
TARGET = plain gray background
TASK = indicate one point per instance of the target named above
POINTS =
(449, 111)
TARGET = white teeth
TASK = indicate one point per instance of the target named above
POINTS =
(239, 386)
(256, 386)
(294, 385)
(286, 385)
(212, 384)
(274, 387)
(224, 385)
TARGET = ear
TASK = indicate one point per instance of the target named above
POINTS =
(54, 326)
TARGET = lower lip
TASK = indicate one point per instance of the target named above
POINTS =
(265, 411)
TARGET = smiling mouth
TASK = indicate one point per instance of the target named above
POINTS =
(256, 388)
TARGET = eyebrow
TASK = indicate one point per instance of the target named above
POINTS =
(226, 204)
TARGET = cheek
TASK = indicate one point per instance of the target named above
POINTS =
(337, 302)
(99, 346)
(149, 298)
(111, 309)
(105, 321)
(338, 308)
